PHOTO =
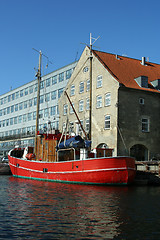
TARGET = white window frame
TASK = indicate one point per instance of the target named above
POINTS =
(87, 125)
(99, 81)
(71, 109)
(107, 99)
(65, 109)
(81, 87)
(107, 122)
(88, 85)
(81, 105)
(99, 101)
(87, 103)
(72, 93)
(145, 124)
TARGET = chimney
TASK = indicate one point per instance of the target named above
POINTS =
(143, 61)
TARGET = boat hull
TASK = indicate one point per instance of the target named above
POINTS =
(112, 170)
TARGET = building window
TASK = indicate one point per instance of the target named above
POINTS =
(13, 96)
(12, 108)
(72, 90)
(48, 82)
(107, 122)
(20, 119)
(21, 93)
(11, 121)
(46, 112)
(41, 99)
(29, 116)
(30, 102)
(47, 97)
(9, 98)
(87, 104)
(54, 80)
(88, 85)
(107, 99)
(42, 85)
(99, 81)
(4, 111)
(99, 102)
(16, 107)
(71, 109)
(81, 102)
(61, 77)
(20, 106)
(87, 125)
(36, 87)
(25, 118)
(81, 87)
(41, 114)
(31, 89)
(53, 111)
(34, 115)
(8, 110)
(65, 108)
(141, 101)
(85, 69)
(26, 91)
(68, 73)
(5, 100)
(35, 101)
(15, 120)
(145, 125)
(53, 95)
(17, 95)
(25, 104)
(60, 91)
(7, 122)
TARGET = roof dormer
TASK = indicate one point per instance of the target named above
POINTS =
(156, 84)
(142, 81)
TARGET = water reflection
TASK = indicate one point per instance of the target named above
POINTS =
(46, 210)
(65, 210)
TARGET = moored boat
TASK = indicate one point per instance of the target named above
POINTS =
(71, 165)
(62, 167)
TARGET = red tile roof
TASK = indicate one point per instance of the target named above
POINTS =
(125, 69)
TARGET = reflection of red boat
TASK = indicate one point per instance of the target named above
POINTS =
(60, 166)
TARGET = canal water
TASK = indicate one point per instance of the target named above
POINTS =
(32, 209)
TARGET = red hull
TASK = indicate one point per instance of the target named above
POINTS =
(112, 170)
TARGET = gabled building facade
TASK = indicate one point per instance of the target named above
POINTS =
(125, 103)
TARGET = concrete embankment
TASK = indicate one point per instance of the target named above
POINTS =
(148, 173)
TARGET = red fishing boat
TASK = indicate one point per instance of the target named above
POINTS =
(61, 158)
(71, 164)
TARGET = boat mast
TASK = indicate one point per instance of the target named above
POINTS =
(90, 101)
(38, 75)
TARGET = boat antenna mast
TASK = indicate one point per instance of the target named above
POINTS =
(38, 75)
(90, 105)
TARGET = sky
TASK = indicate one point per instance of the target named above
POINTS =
(59, 27)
